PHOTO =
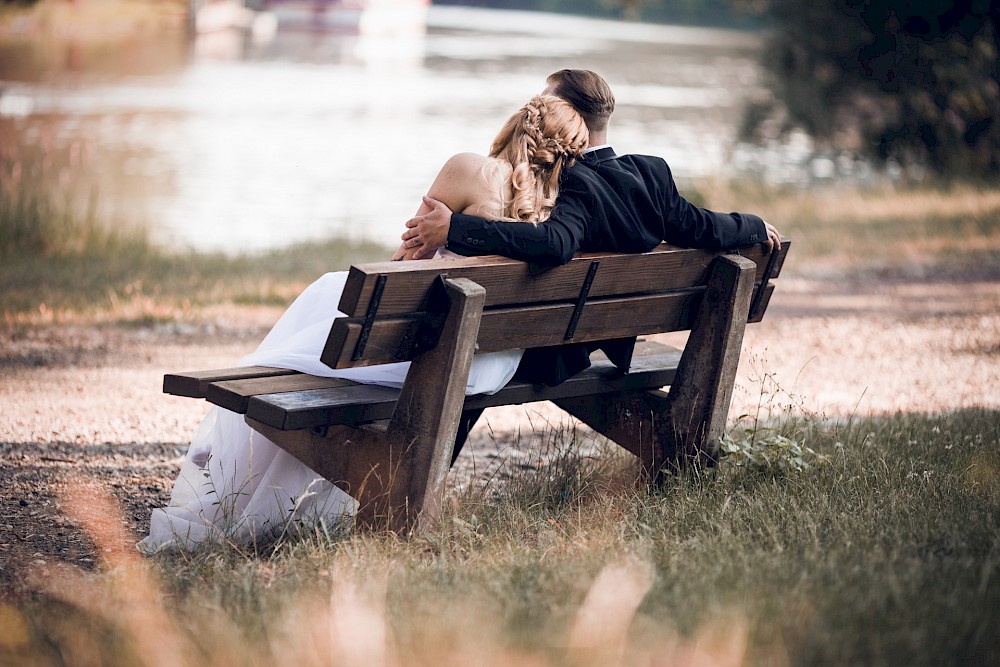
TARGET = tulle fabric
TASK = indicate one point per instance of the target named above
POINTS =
(237, 486)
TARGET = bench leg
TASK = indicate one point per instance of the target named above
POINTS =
(698, 403)
(426, 419)
(397, 473)
(681, 429)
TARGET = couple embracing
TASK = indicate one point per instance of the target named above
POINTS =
(550, 187)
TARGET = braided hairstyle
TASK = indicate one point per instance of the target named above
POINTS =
(539, 140)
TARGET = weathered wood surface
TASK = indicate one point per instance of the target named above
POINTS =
(193, 384)
(666, 283)
(698, 403)
(393, 338)
(390, 449)
(427, 414)
(365, 403)
(235, 394)
(510, 282)
(681, 429)
(397, 474)
(636, 421)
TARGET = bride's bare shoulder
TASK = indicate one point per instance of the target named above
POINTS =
(466, 162)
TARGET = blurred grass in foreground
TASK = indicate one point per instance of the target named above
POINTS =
(885, 553)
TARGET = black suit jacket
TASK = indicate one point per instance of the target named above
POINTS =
(606, 203)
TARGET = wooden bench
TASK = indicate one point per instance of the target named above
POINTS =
(391, 449)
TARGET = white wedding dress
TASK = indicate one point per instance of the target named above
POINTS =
(237, 486)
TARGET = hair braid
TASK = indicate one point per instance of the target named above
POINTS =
(538, 141)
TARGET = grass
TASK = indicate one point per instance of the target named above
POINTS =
(143, 283)
(886, 552)
(940, 231)
(64, 257)
(60, 262)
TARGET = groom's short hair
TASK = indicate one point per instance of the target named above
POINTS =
(589, 94)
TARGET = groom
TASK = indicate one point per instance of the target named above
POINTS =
(606, 203)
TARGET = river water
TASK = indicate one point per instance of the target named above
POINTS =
(240, 144)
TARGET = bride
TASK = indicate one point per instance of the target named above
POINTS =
(236, 485)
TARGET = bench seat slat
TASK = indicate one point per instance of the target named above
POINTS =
(194, 384)
(364, 403)
(321, 407)
(235, 394)
(510, 282)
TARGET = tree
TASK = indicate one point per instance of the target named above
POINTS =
(916, 81)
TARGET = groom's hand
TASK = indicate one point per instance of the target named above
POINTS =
(773, 237)
(429, 231)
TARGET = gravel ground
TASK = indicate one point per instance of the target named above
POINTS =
(82, 404)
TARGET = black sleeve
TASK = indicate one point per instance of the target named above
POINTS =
(689, 226)
(548, 243)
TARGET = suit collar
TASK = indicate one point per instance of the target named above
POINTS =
(600, 155)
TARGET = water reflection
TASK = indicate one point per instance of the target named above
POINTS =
(240, 144)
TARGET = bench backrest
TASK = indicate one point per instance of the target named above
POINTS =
(391, 307)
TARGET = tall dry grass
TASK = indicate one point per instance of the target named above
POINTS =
(887, 552)
(65, 258)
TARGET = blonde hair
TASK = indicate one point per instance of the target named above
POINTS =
(539, 141)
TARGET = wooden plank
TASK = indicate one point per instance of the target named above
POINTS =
(392, 338)
(321, 407)
(509, 281)
(698, 403)
(235, 394)
(364, 403)
(765, 299)
(194, 384)
(785, 245)
(421, 433)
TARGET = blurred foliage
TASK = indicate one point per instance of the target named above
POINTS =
(913, 82)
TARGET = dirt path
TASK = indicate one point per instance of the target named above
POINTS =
(83, 403)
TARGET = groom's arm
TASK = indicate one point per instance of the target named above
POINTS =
(549, 243)
(689, 226)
